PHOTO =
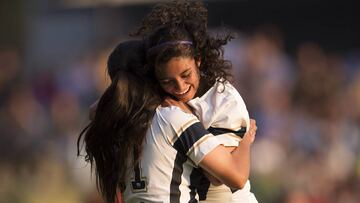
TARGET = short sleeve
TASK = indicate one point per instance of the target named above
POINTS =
(222, 107)
(186, 134)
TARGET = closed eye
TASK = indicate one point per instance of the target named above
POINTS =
(186, 74)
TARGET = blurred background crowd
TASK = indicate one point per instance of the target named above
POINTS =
(297, 66)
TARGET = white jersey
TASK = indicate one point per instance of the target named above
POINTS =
(175, 143)
(223, 112)
(221, 109)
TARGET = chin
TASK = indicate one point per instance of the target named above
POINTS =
(186, 99)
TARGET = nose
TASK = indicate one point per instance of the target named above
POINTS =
(180, 85)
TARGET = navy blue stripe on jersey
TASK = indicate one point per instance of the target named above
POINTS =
(193, 176)
(182, 145)
(189, 137)
(218, 131)
(176, 178)
(199, 183)
(176, 181)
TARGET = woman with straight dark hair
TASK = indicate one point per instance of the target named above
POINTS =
(119, 119)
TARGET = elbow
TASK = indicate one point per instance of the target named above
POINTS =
(239, 183)
(235, 179)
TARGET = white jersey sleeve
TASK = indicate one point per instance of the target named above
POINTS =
(222, 107)
(188, 137)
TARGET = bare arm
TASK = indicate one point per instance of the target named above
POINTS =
(211, 178)
(231, 168)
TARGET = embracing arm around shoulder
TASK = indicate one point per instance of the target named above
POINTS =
(231, 168)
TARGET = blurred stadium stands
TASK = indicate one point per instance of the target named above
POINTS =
(296, 64)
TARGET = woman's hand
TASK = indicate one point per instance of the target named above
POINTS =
(249, 136)
(172, 102)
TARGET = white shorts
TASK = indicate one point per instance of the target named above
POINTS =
(244, 195)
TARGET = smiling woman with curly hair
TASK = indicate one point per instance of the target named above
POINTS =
(191, 16)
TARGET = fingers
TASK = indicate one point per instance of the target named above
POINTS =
(253, 125)
(171, 102)
(252, 122)
(165, 103)
(250, 135)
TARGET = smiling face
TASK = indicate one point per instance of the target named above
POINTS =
(179, 77)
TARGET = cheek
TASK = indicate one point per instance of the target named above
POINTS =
(167, 88)
(196, 79)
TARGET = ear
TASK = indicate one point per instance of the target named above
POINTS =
(198, 63)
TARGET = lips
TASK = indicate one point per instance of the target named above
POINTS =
(182, 94)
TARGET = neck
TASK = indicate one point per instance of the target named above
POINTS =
(204, 86)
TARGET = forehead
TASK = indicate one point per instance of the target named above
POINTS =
(176, 66)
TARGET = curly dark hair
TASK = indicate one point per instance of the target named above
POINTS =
(122, 118)
(186, 20)
(174, 12)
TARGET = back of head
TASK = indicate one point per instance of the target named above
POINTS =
(127, 56)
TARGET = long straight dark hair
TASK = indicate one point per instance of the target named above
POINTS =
(123, 116)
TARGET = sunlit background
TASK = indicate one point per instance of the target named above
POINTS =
(296, 64)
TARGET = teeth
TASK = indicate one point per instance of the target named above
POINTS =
(185, 91)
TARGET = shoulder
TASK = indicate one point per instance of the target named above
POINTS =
(226, 87)
(221, 93)
(227, 91)
(174, 116)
